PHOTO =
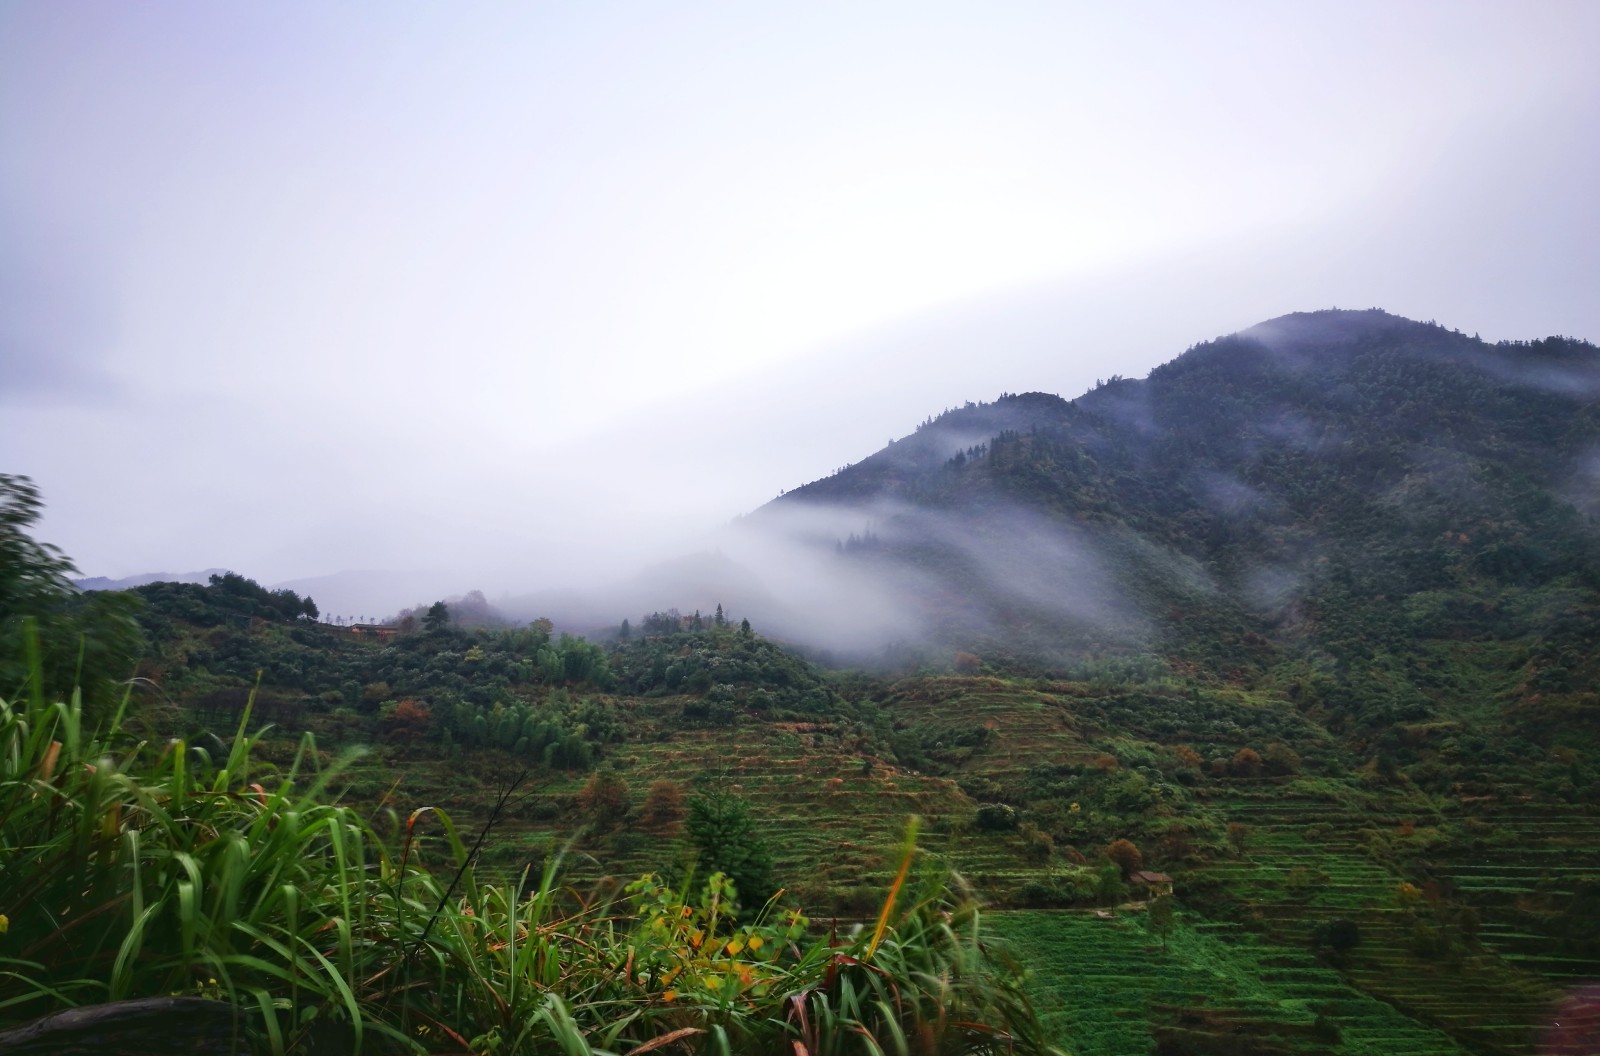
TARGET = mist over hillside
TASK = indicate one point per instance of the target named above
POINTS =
(1248, 491)
(1242, 490)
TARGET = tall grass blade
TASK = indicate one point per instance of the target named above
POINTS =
(909, 851)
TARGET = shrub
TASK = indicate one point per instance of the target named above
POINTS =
(996, 817)
(1036, 844)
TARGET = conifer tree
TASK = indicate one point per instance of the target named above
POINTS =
(723, 829)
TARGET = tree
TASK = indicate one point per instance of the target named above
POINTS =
(604, 799)
(625, 631)
(408, 722)
(437, 618)
(1246, 763)
(86, 641)
(719, 619)
(1334, 939)
(663, 808)
(1280, 759)
(723, 829)
(1126, 856)
(582, 661)
(1159, 917)
(1108, 885)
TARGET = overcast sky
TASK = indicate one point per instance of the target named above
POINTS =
(540, 291)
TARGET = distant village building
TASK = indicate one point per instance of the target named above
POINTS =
(1159, 885)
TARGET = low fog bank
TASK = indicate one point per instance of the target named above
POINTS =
(888, 584)
(881, 583)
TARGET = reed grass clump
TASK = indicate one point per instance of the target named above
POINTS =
(135, 867)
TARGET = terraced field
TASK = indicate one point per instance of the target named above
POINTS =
(833, 816)
(1108, 987)
(1029, 727)
(1519, 884)
(1309, 861)
(834, 811)
(1423, 978)
(1319, 852)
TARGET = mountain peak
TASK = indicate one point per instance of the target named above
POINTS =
(1329, 326)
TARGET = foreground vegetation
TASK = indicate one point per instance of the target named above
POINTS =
(132, 866)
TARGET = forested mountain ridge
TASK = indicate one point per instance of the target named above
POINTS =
(1320, 479)
(1299, 382)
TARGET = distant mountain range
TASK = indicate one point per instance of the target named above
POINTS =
(129, 582)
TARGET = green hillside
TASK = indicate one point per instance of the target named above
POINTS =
(1304, 622)
(1340, 481)
(1470, 913)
